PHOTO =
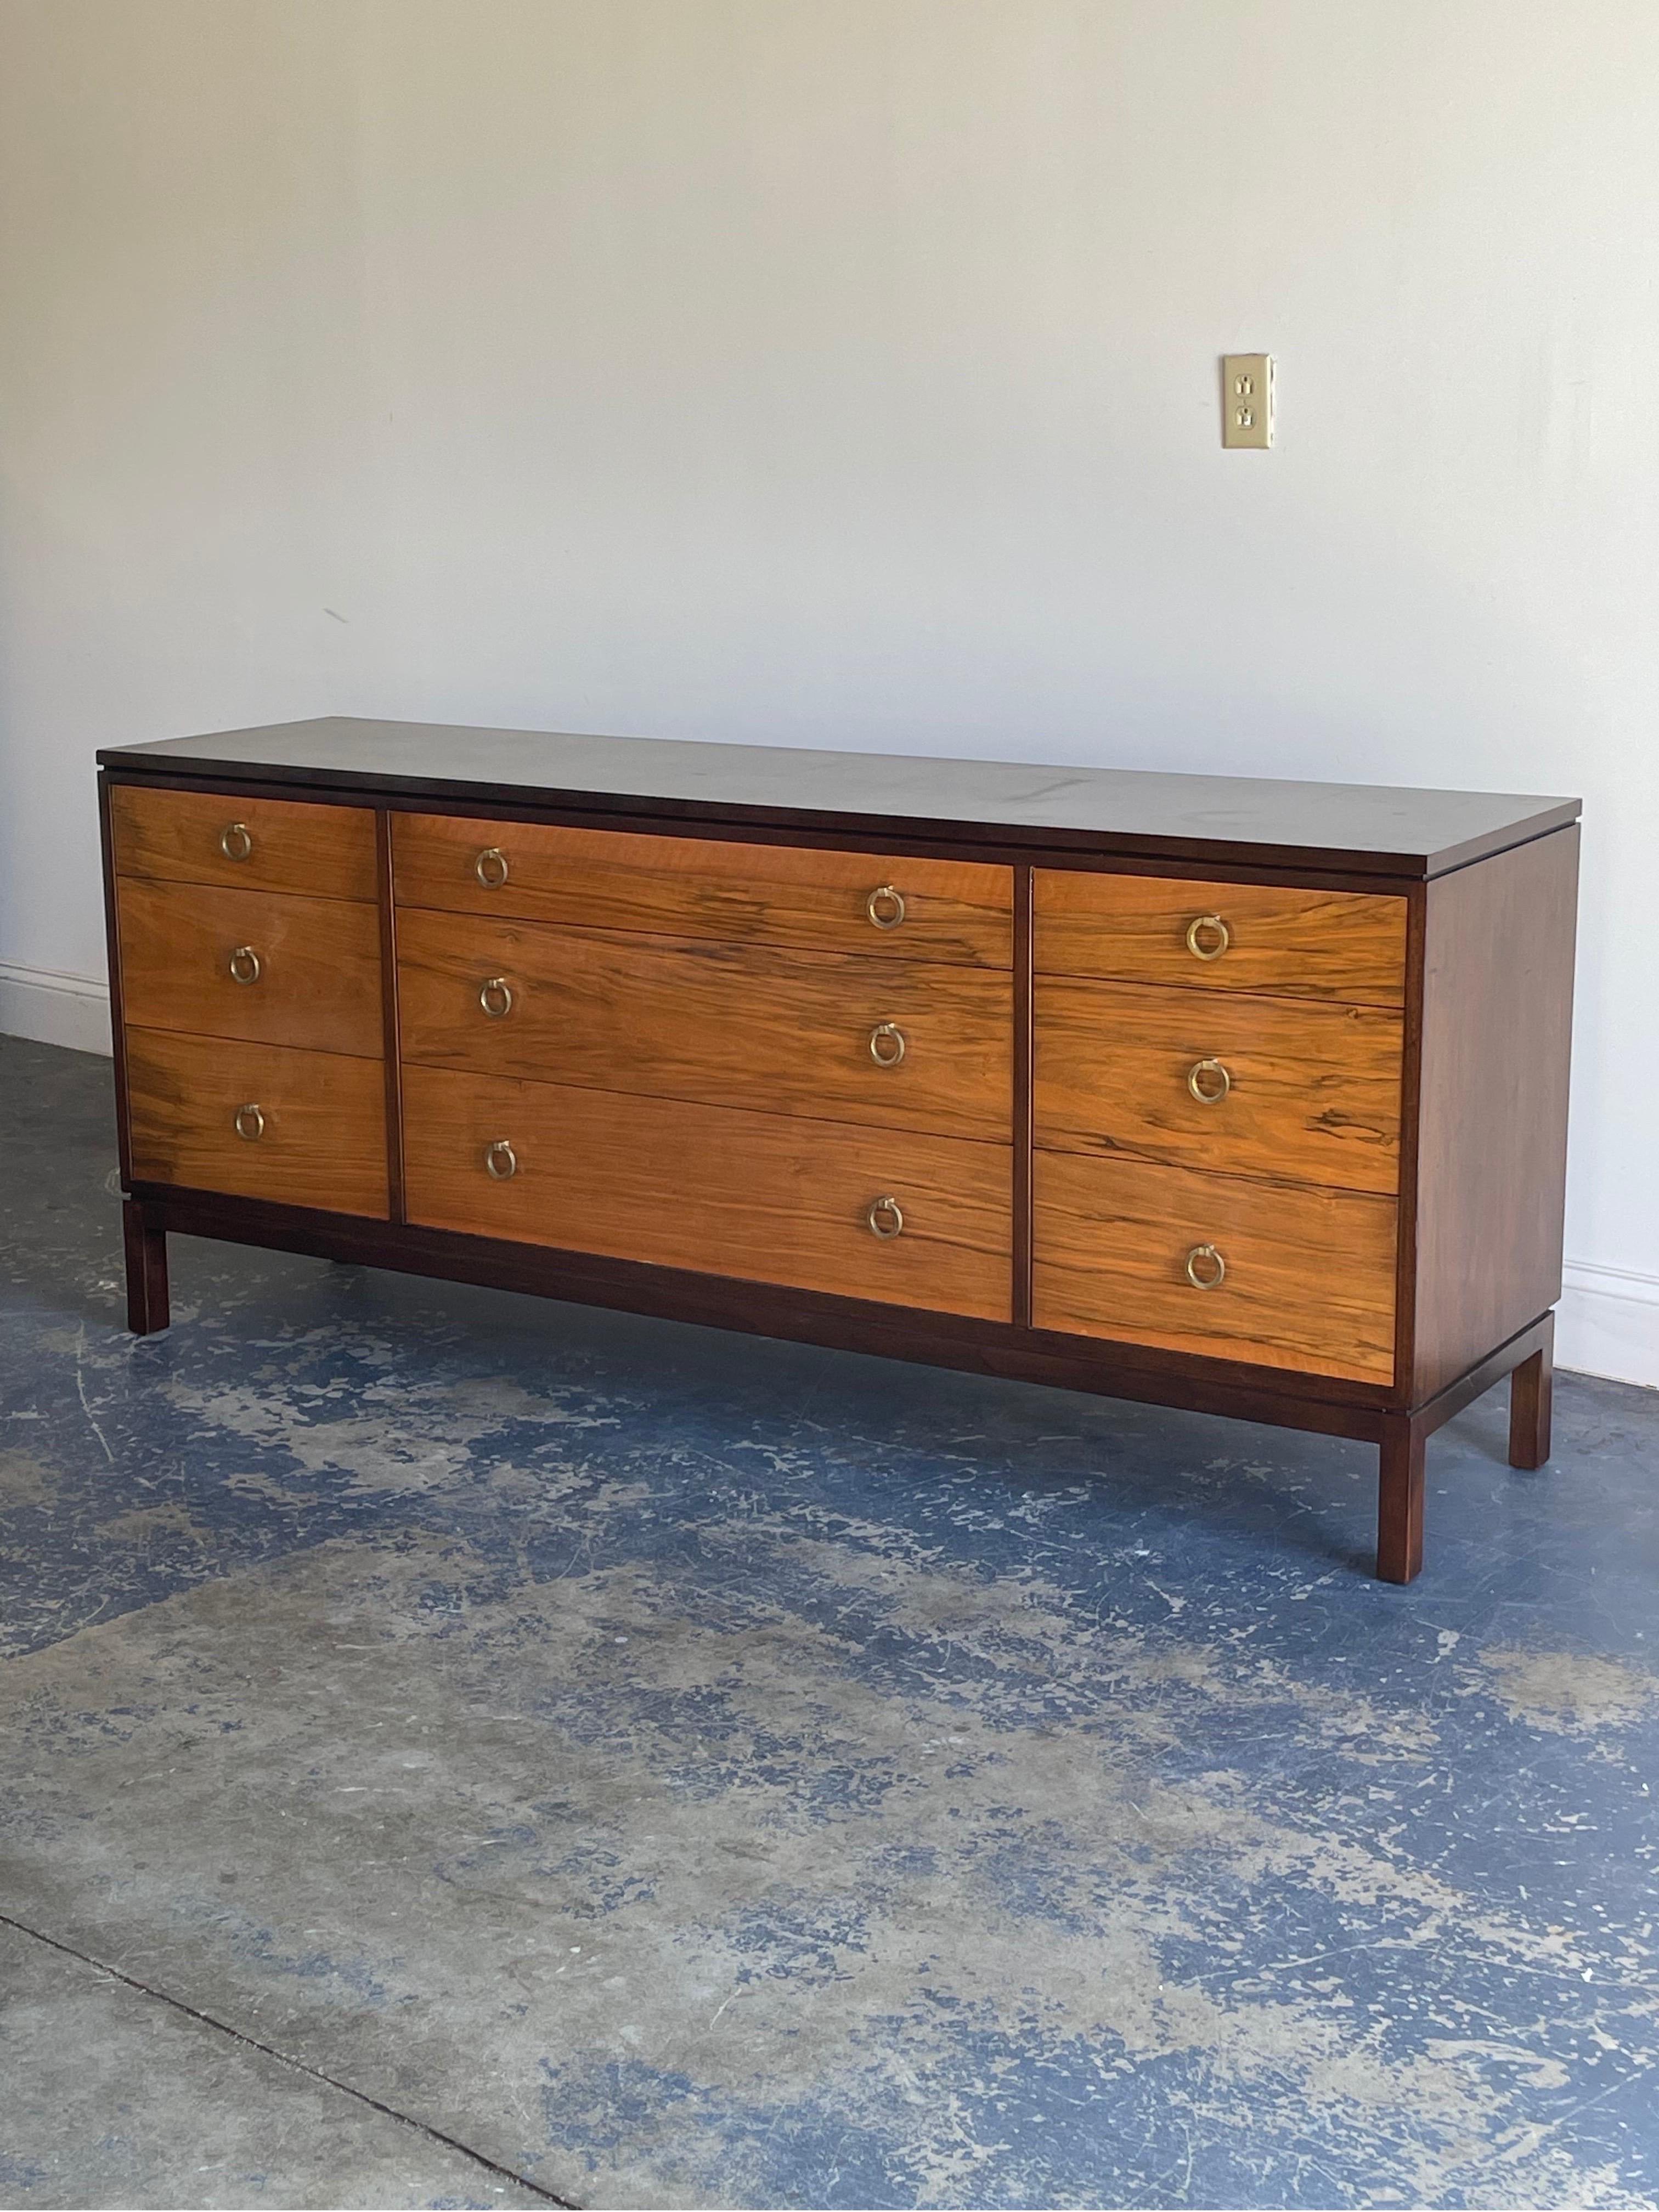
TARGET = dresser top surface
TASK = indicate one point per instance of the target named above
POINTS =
(1368, 829)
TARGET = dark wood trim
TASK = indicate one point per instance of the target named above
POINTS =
(1410, 1128)
(392, 1043)
(1494, 1047)
(113, 942)
(1358, 1412)
(144, 1243)
(1298, 866)
(1400, 1485)
(1532, 1392)
(1318, 1402)
(1023, 1131)
(1479, 1378)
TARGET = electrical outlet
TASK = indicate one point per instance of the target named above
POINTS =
(1247, 400)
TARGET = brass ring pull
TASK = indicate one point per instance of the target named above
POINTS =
(885, 906)
(1219, 936)
(887, 1044)
(243, 965)
(1213, 1266)
(490, 867)
(234, 843)
(1210, 1072)
(886, 1218)
(250, 1123)
(496, 996)
(501, 1160)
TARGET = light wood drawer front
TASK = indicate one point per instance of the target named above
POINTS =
(727, 1025)
(264, 965)
(717, 1189)
(1304, 1092)
(1309, 1273)
(777, 895)
(316, 1130)
(192, 837)
(1295, 944)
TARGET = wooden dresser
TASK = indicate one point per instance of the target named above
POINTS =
(1245, 1096)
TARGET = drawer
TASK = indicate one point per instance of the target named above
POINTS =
(1221, 937)
(713, 1189)
(1250, 1086)
(248, 844)
(314, 1132)
(1309, 1278)
(262, 965)
(894, 1043)
(957, 911)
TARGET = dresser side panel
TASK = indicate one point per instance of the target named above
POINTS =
(1492, 1138)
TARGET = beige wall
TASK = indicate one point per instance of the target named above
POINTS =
(841, 371)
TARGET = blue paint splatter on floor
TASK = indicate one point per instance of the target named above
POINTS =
(691, 1770)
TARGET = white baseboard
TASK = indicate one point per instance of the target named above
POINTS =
(53, 1008)
(1608, 1323)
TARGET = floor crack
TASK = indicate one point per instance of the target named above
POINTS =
(298, 2065)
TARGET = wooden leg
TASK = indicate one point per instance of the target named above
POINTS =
(147, 1269)
(1531, 1389)
(1400, 1500)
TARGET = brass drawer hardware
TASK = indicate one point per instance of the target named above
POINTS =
(501, 1160)
(1208, 1081)
(1206, 1268)
(1207, 937)
(887, 1044)
(243, 965)
(496, 996)
(234, 843)
(490, 867)
(885, 906)
(250, 1123)
(886, 1218)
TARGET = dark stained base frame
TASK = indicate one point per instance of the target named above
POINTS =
(1364, 1412)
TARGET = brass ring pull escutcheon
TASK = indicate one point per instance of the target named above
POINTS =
(887, 1044)
(500, 1160)
(1206, 1268)
(886, 1218)
(1207, 937)
(234, 843)
(885, 906)
(496, 996)
(250, 1123)
(1208, 1081)
(243, 965)
(490, 867)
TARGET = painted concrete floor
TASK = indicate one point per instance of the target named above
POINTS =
(457, 1750)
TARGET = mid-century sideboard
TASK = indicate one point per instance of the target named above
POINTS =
(1243, 1096)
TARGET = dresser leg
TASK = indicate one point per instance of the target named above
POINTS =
(1531, 1391)
(146, 1246)
(1399, 1499)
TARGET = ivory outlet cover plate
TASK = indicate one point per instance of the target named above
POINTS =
(1247, 400)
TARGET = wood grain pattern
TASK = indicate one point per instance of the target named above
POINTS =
(714, 1188)
(1532, 1392)
(786, 896)
(725, 1024)
(1309, 1279)
(1290, 943)
(1314, 1095)
(1493, 1132)
(318, 982)
(324, 1142)
(327, 851)
(144, 1246)
(1216, 821)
